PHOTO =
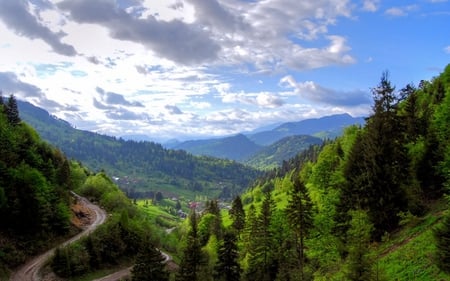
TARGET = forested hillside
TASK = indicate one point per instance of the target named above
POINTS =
(273, 155)
(345, 210)
(34, 182)
(142, 167)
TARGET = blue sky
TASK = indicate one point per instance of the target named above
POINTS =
(191, 69)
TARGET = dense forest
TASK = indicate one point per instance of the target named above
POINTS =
(34, 184)
(142, 166)
(336, 211)
(35, 207)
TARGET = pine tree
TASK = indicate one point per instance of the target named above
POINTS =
(377, 165)
(228, 267)
(262, 265)
(237, 215)
(299, 213)
(192, 259)
(149, 265)
(12, 111)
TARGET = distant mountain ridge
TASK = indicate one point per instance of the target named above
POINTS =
(237, 147)
(254, 148)
(325, 127)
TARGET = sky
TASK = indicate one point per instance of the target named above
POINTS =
(191, 69)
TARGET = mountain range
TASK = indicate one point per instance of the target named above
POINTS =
(268, 148)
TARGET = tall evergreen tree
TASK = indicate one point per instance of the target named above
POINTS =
(358, 261)
(12, 111)
(377, 166)
(149, 265)
(299, 213)
(262, 265)
(192, 259)
(237, 214)
(228, 267)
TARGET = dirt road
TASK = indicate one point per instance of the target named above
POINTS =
(30, 271)
(119, 275)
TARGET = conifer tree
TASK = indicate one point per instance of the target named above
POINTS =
(12, 111)
(237, 215)
(228, 267)
(192, 259)
(149, 265)
(299, 213)
(377, 165)
(262, 265)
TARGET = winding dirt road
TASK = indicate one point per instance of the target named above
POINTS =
(119, 275)
(30, 271)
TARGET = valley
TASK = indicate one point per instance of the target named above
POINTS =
(369, 204)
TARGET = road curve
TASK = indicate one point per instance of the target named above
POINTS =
(30, 270)
(119, 275)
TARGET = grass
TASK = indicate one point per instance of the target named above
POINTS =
(409, 253)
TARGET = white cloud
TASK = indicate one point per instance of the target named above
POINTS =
(447, 49)
(263, 99)
(371, 5)
(401, 11)
(316, 93)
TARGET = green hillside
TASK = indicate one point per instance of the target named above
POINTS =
(35, 179)
(273, 155)
(142, 168)
(369, 205)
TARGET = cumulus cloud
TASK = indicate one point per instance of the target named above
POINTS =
(124, 114)
(215, 15)
(10, 84)
(111, 98)
(173, 109)
(16, 15)
(316, 93)
(178, 41)
(370, 5)
(264, 99)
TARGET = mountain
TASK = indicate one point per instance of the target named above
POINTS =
(140, 167)
(237, 147)
(273, 155)
(255, 148)
(324, 127)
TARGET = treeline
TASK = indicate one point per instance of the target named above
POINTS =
(34, 182)
(148, 164)
(318, 217)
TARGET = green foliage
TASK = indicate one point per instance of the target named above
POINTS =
(300, 217)
(150, 264)
(237, 214)
(442, 236)
(228, 268)
(193, 258)
(70, 261)
(34, 200)
(273, 156)
(142, 166)
(359, 262)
